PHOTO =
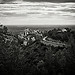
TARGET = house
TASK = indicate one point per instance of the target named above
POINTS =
(25, 42)
(44, 39)
(21, 36)
(64, 30)
(26, 32)
(28, 39)
(33, 39)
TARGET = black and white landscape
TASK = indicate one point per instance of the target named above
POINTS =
(37, 37)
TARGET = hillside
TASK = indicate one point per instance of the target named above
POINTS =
(37, 58)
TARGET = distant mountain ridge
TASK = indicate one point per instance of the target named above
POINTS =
(4, 1)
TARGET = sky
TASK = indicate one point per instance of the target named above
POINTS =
(3, 1)
(37, 13)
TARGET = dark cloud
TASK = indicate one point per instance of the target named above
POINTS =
(3, 1)
(52, 0)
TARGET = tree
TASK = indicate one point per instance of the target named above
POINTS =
(5, 29)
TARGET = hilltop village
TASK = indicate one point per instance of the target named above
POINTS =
(36, 52)
(29, 36)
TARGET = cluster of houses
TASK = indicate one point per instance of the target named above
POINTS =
(62, 30)
(29, 36)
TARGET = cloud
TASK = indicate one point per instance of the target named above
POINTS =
(38, 9)
(38, 13)
(5, 1)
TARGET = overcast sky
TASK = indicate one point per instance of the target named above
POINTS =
(30, 13)
(40, 0)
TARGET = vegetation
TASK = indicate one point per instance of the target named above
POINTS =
(37, 58)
